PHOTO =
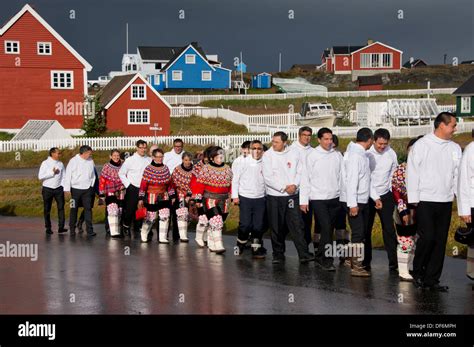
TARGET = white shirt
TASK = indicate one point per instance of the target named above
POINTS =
(131, 171)
(356, 176)
(237, 161)
(80, 174)
(465, 193)
(281, 169)
(432, 170)
(173, 159)
(47, 175)
(247, 179)
(382, 167)
(322, 176)
(303, 151)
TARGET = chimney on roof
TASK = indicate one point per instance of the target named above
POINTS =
(370, 41)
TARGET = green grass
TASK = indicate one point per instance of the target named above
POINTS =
(22, 197)
(4, 136)
(282, 105)
(196, 125)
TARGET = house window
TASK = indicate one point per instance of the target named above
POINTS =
(62, 80)
(375, 60)
(365, 60)
(466, 104)
(12, 47)
(157, 66)
(138, 116)
(387, 60)
(157, 79)
(138, 92)
(190, 59)
(206, 76)
(44, 48)
(177, 75)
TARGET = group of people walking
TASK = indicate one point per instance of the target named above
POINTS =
(284, 188)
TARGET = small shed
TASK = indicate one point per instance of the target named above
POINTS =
(241, 67)
(465, 99)
(262, 81)
(42, 130)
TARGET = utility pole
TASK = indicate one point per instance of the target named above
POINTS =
(279, 62)
(126, 37)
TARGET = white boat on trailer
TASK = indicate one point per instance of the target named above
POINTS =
(317, 115)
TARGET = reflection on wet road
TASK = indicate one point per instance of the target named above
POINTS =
(102, 276)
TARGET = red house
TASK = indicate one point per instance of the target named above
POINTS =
(373, 58)
(41, 75)
(131, 105)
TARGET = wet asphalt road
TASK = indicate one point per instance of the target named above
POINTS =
(79, 275)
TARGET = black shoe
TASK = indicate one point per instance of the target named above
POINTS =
(72, 232)
(436, 288)
(326, 266)
(126, 231)
(62, 230)
(393, 269)
(278, 259)
(80, 230)
(418, 283)
(241, 246)
(307, 259)
(49, 231)
(91, 234)
(119, 236)
(259, 253)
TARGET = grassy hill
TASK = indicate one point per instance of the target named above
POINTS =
(440, 76)
(264, 106)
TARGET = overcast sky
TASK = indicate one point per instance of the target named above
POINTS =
(260, 29)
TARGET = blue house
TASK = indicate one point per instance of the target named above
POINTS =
(262, 81)
(191, 69)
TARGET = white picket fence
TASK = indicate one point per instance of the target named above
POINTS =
(123, 143)
(228, 142)
(272, 119)
(447, 108)
(395, 132)
(197, 99)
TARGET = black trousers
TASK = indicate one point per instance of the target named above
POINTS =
(284, 216)
(80, 222)
(252, 218)
(48, 195)
(326, 212)
(308, 223)
(359, 223)
(388, 230)
(341, 218)
(433, 220)
(130, 206)
(81, 197)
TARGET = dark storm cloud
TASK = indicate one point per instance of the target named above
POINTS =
(259, 28)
